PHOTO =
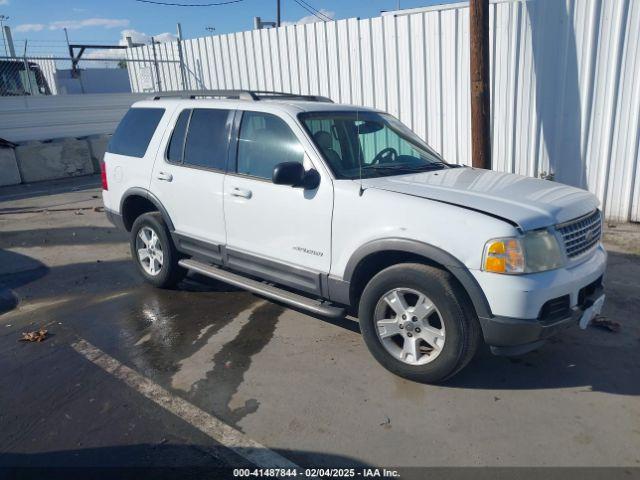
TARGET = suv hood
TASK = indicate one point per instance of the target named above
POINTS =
(528, 202)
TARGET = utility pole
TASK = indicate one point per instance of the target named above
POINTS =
(183, 74)
(4, 18)
(480, 94)
(8, 38)
(277, 13)
(155, 63)
(66, 36)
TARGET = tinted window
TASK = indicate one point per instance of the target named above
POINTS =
(134, 132)
(265, 141)
(176, 144)
(207, 139)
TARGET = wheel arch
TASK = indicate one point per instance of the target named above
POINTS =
(377, 255)
(137, 201)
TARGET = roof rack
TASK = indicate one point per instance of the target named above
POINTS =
(251, 95)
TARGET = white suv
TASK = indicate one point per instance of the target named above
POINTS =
(335, 208)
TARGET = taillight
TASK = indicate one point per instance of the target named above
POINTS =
(103, 176)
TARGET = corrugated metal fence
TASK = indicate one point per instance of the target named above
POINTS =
(565, 89)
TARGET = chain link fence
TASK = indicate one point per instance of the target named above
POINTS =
(149, 68)
(27, 76)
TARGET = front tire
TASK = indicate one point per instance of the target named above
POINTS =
(418, 322)
(153, 251)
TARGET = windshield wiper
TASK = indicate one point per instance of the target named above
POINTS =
(405, 168)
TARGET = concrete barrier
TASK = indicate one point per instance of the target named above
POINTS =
(48, 161)
(97, 147)
(9, 173)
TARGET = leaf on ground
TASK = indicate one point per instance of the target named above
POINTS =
(606, 324)
(35, 336)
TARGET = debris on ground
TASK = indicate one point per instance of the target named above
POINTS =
(98, 209)
(79, 212)
(606, 324)
(35, 336)
(386, 423)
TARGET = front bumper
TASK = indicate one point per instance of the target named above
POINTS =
(522, 319)
(514, 336)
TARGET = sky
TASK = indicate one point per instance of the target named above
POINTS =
(41, 22)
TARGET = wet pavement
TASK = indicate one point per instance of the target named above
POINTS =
(302, 386)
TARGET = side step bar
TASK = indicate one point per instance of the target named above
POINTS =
(264, 289)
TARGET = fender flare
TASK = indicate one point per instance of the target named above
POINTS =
(458, 269)
(141, 192)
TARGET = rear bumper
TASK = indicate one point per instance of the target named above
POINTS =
(115, 218)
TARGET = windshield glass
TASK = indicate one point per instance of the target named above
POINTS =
(376, 143)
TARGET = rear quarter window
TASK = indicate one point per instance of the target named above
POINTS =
(134, 132)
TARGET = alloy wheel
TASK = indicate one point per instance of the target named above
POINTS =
(149, 250)
(409, 326)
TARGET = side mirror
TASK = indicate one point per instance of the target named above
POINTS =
(294, 174)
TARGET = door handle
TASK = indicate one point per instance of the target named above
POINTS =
(164, 176)
(241, 192)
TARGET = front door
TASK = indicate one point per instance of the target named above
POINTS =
(276, 232)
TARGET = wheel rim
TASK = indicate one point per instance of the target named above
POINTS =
(409, 326)
(149, 248)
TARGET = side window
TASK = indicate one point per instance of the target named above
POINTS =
(325, 134)
(265, 140)
(134, 132)
(176, 144)
(208, 139)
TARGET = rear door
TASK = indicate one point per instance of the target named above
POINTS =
(276, 232)
(188, 178)
(129, 158)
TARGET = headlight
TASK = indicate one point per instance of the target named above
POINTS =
(534, 252)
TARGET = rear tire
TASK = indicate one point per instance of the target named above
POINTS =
(418, 322)
(153, 251)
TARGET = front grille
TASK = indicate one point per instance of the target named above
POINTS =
(581, 235)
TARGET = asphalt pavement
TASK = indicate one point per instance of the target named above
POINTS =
(206, 375)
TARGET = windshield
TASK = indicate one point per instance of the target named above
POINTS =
(368, 143)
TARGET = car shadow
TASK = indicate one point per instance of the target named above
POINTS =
(565, 362)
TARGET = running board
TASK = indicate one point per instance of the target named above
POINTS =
(263, 289)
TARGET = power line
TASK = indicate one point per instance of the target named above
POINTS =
(309, 10)
(320, 12)
(314, 11)
(190, 4)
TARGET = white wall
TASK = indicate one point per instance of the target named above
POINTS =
(565, 89)
(55, 116)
